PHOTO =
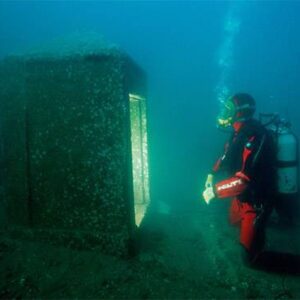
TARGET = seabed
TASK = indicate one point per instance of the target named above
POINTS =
(188, 255)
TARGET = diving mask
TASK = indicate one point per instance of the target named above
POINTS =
(227, 113)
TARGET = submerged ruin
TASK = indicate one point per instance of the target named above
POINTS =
(73, 145)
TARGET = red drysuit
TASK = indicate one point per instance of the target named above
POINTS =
(248, 160)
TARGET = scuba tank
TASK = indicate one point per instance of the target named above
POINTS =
(286, 163)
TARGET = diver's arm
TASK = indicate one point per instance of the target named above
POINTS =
(237, 184)
(220, 162)
(209, 192)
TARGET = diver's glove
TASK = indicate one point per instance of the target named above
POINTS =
(209, 181)
(208, 194)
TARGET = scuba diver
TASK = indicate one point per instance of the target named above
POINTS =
(248, 159)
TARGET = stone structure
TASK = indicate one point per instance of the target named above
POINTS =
(69, 171)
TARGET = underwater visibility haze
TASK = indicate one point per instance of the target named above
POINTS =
(183, 60)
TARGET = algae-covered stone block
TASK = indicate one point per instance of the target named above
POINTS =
(67, 143)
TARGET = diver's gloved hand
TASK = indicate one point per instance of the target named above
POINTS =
(209, 181)
(208, 194)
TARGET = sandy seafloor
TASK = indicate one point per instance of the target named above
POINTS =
(187, 255)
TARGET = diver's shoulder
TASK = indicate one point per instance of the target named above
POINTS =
(255, 127)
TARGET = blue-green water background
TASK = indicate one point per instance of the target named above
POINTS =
(178, 44)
